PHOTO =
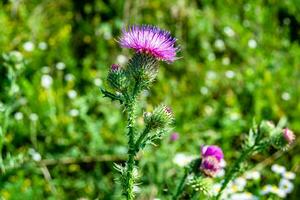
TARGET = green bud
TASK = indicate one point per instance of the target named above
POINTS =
(200, 185)
(117, 78)
(161, 117)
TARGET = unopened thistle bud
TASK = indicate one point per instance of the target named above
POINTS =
(282, 139)
(116, 77)
(161, 117)
(199, 184)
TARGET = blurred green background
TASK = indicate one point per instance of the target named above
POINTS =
(239, 61)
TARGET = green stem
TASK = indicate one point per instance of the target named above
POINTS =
(141, 138)
(181, 184)
(130, 105)
(131, 152)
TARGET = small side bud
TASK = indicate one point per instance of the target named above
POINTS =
(283, 139)
(199, 185)
(116, 78)
(161, 117)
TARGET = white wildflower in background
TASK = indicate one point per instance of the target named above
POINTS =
(228, 31)
(289, 175)
(98, 82)
(46, 81)
(266, 189)
(121, 59)
(43, 46)
(216, 188)
(252, 44)
(182, 159)
(17, 56)
(278, 169)
(19, 116)
(211, 57)
(226, 61)
(36, 156)
(243, 196)
(28, 46)
(45, 70)
(33, 117)
(277, 191)
(230, 74)
(241, 183)
(219, 44)
(60, 66)
(72, 94)
(15, 88)
(234, 116)
(211, 75)
(204, 90)
(74, 112)
(286, 186)
(23, 101)
(252, 175)
(69, 77)
(286, 96)
(220, 173)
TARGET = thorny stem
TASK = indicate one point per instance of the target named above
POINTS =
(130, 106)
(141, 139)
(131, 153)
(181, 184)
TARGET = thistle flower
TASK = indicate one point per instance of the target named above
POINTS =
(211, 160)
(150, 40)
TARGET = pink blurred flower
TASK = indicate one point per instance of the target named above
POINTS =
(150, 40)
(288, 135)
(174, 136)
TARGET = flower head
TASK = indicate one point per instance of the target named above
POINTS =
(151, 40)
(212, 157)
(212, 150)
(288, 135)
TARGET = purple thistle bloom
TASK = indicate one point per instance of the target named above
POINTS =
(211, 160)
(212, 150)
(150, 40)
